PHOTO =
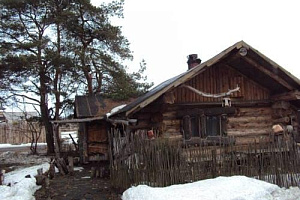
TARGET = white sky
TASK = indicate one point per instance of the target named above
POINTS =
(164, 32)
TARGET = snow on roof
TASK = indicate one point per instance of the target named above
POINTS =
(115, 110)
(221, 188)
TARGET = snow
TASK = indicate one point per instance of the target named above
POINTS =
(114, 110)
(21, 188)
(220, 188)
(20, 145)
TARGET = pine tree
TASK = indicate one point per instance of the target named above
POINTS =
(52, 50)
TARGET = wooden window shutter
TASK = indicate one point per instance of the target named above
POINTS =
(187, 127)
(224, 125)
(203, 125)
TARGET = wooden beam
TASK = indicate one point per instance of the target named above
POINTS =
(206, 111)
(233, 103)
(269, 73)
(64, 121)
(287, 96)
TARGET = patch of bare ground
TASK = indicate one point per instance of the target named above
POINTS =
(78, 187)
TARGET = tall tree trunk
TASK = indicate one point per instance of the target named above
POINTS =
(44, 103)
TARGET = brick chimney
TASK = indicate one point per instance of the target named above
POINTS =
(193, 61)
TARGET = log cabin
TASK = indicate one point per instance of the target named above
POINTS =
(236, 96)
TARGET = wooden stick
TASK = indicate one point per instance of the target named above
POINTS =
(2, 172)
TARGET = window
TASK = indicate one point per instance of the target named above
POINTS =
(204, 126)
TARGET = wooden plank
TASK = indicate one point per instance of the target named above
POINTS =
(269, 73)
(249, 119)
(287, 96)
(249, 132)
(207, 111)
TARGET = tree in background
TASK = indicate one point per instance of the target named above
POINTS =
(52, 50)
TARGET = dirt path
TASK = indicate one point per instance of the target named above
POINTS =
(78, 187)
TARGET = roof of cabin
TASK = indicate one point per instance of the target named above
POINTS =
(253, 65)
(94, 106)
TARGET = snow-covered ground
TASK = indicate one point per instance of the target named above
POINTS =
(220, 188)
(21, 188)
(20, 145)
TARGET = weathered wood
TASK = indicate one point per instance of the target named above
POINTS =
(248, 132)
(2, 172)
(269, 73)
(281, 104)
(40, 177)
(244, 140)
(288, 96)
(174, 122)
(51, 170)
(278, 113)
(247, 119)
(217, 79)
(245, 125)
(70, 165)
(254, 111)
(93, 172)
(208, 111)
(75, 144)
(169, 98)
(282, 120)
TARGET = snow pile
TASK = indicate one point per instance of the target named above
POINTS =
(114, 110)
(21, 187)
(20, 145)
(221, 188)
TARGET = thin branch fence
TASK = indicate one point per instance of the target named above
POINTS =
(135, 160)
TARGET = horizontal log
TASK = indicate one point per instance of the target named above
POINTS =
(249, 119)
(169, 115)
(282, 120)
(207, 111)
(281, 104)
(172, 130)
(281, 113)
(254, 111)
(261, 124)
(171, 122)
(248, 132)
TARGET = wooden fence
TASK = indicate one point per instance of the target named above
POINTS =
(18, 133)
(161, 162)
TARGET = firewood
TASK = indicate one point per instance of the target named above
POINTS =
(51, 170)
(93, 172)
(71, 165)
(2, 172)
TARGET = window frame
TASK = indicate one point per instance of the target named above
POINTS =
(200, 129)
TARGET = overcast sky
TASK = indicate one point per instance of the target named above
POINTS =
(164, 32)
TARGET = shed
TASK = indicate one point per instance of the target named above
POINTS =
(90, 113)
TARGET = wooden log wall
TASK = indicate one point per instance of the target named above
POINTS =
(97, 142)
(250, 124)
(219, 79)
